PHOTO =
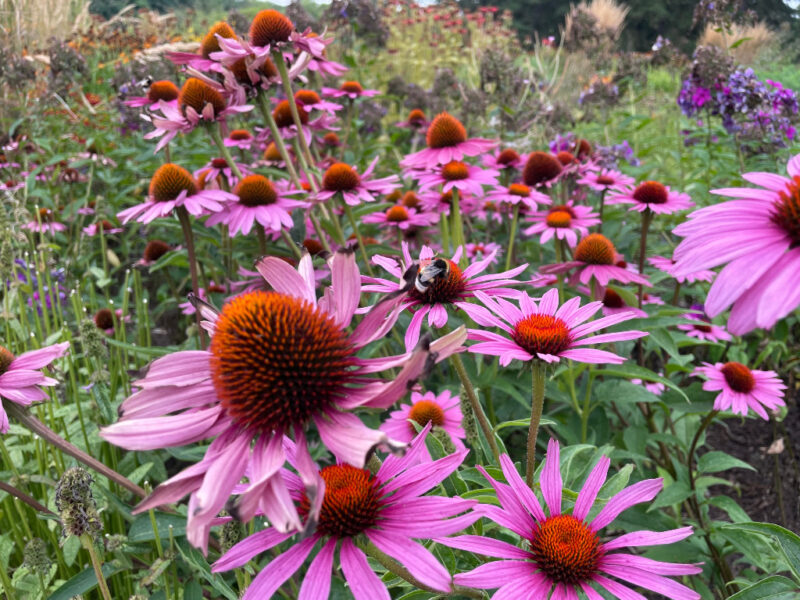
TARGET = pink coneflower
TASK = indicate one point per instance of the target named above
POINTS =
(170, 187)
(105, 319)
(595, 257)
(504, 159)
(402, 218)
(544, 331)
(654, 387)
(239, 138)
(153, 251)
(46, 223)
(321, 64)
(438, 285)
(478, 251)
(447, 141)
(310, 100)
(199, 101)
(355, 189)
(456, 175)
(542, 169)
(277, 362)
(602, 180)
(20, 378)
(434, 201)
(757, 236)
(563, 552)
(351, 90)
(562, 222)
(614, 304)
(208, 175)
(442, 411)
(516, 193)
(387, 508)
(668, 266)
(416, 120)
(703, 329)
(203, 61)
(653, 196)
(258, 200)
(107, 227)
(742, 389)
(158, 91)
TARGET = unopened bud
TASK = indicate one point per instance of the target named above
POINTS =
(468, 420)
(444, 439)
(35, 556)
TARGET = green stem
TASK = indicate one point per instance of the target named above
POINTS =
(88, 543)
(512, 236)
(602, 206)
(458, 229)
(7, 587)
(586, 410)
(647, 218)
(677, 295)
(445, 228)
(188, 236)
(559, 259)
(323, 238)
(277, 58)
(262, 239)
(537, 404)
(351, 217)
(298, 254)
(216, 134)
(486, 427)
(266, 113)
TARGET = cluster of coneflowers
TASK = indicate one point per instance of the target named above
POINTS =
(292, 363)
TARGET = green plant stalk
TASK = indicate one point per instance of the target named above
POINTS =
(7, 587)
(458, 229)
(354, 224)
(602, 206)
(263, 107)
(647, 218)
(188, 236)
(538, 371)
(587, 406)
(305, 154)
(469, 389)
(512, 234)
(215, 131)
(560, 276)
(298, 254)
(323, 238)
(445, 229)
(88, 544)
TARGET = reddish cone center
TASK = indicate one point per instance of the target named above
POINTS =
(283, 114)
(595, 249)
(566, 158)
(540, 168)
(352, 87)
(612, 299)
(651, 192)
(410, 200)
(786, 212)
(559, 219)
(162, 90)
(508, 157)
(169, 181)
(739, 377)
(340, 177)
(445, 131)
(566, 550)
(605, 180)
(256, 190)
(198, 94)
(6, 358)
(443, 289)
(397, 214)
(424, 412)
(104, 319)
(269, 27)
(455, 171)
(416, 117)
(306, 97)
(351, 503)
(277, 360)
(238, 135)
(542, 334)
(154, 250)
(210, 42)
(314, 247)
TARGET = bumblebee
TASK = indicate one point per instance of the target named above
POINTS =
(429, 273)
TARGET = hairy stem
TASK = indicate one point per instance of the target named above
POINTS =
(88, 543)
(188, 236)
(537, 405)
(469, 389)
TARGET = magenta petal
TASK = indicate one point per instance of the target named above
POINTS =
(648, 538)
(284, 279)
(522, 491)
(657, 583)
(550, 480)
(364, 583)
(278, 570)
(415, 557)
(496, 574)
(162, 432)
(591, 487)
(346, 285)
(485, 545)
(242, 552)
(36, 359)
(317, 580)
(642, 491)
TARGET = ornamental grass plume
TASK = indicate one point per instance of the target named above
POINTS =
(278, 362)
(757, 237)
(562, 554)
(387, 508)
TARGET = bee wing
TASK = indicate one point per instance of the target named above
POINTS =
(429, 272)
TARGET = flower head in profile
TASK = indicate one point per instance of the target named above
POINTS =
(355, 189)
(653, 196)
(171, 187)
(742, 389)
(442, 411)
(563, 552)
(478, 251)
(402, 217)
(757, 237)
(438, 284)
(668, 266)
(415, 121)
(279, 361)
(104, 225)
(562, 222)
(157, 91)
(544, 330)
(516, 193)
(46, 222)
(601, 180)
(595, 258)
(350, 89)
(447, 141)
(21, 379)
(614, 303)
(702, 328)
(258, 200)
(388, 508)
(508, 158)
(203, 59)
(456, 175)
(542, 169)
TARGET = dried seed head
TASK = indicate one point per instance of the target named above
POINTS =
(75, 503)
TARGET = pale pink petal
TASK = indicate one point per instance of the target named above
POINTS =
(364, 583)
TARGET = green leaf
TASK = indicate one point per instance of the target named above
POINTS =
(730, 506)
(142, 529)
(522, 423)
(636, 372)
(788, 541)
(713, 462)
(200, 565)
(771, 588)
(672, 494)
(624, 392)
(140, 350)
(84, 581)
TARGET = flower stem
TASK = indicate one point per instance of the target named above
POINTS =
(400, 571)
(602, 206)
(458, 229)
(352, 218)
(537, 404)
(486, 427)
(88, 543)
(216, 134)
(263, 107)
(39, 428)
(323, 238)
(647, 218)
(298, 254)
(277, 58)
(512, 235)
(188, 236)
